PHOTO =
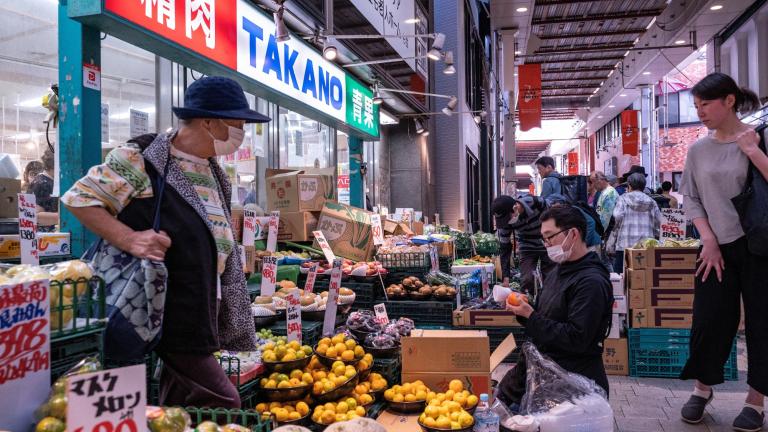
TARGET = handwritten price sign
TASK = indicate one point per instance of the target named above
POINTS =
(268, 275)
(378, 232)
(673, 224)
(274, 224)
(309, 287)
(25, 376)
(484, 279)
(434, 258)
(293, 316)
(249, 227)
(327, 251)
(329, 321)
(28, 229)
(112, 400)
(381, 313)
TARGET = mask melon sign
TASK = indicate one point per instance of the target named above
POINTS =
(239, 36)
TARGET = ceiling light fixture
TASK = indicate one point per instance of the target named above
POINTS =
(623, 95)
(518, 52)
(435, 53)
(521, 9)
(449, 68)
(377, 99)
(330, 52)
(451, 107)
(414, 20)
(716, 7)
(611, 106)
(680, 42)
(419, 126)
(646, 73)
(281, 31)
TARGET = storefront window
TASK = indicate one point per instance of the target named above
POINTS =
(303, 142)
(342, 167)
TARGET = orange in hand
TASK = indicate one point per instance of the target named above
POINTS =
(515, 298)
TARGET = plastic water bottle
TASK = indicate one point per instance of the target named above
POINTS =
(485, 419)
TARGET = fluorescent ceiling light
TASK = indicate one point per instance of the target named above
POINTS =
(599, 116)
(623, 95)
(412, 21)
(646, 73)
(680, 42)
(522, 9)
(31, 103)
(386, 118)
(611, 106)
(716, 7)
(518, 52)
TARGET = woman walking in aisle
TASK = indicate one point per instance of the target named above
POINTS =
(716, 171)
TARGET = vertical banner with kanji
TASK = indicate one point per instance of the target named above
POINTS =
(529, 96)
(630, 133)
(329, 321)
(268, 275)
(573, 163)
(28, 229)
(274, 224)
(309, 286)
(112, 400)
(293, 316)
(249, 227)
(25, 362)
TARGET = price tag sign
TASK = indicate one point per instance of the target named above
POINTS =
(293, 316)
(242, 258)
(309, 286)
(434, 258)
(381, 313)
(378, 231)
(25, 373)
(28, 229)
(112, 400)
(458, 294)
(484, 279)
(274, 224)
(327, 251)
(268, 275)
(249, 227)
(672, 224)
(329, 322)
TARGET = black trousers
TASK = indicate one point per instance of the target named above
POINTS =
(528, 261)
(716, 316)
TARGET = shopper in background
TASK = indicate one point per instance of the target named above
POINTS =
(612, 180)
(716, 171)
(207, 307)
(550, 184)
(592, 194)
(666, 188)
(42, 188)
(573, 313)
(637, 217)
(252, 197)
(607, 200)
(521, 216)
(31, 171)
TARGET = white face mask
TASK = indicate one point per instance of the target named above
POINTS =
(557, 254)
(233, 142)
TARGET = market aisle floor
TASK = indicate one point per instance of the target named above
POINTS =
(653, 404)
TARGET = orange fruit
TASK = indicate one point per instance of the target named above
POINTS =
(515, 299)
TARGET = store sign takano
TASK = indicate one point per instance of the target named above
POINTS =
(239, 36)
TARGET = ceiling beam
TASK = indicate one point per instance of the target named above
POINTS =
(566, 95)
(596, 34)
(563, 2)
(594, 79)
(601, 17)
(579, 48)
(577, 70)
(574, 87)
(578, 60)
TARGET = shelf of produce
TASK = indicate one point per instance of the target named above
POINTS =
(397, 277)
(311, 331)
(68, 352)
(81, 313)
(248, 418)
(365, 292)
(662, 353)
(238, 377)
(405, 261)
(422, 312)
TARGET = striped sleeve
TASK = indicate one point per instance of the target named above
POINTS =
(113, 184)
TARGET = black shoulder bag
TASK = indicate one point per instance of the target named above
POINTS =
(752, 205)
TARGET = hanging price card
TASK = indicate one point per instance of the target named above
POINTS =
(327, 251)
(309, 286)
(268, 275)
(274, 224)
(434, 258)
(484, 279)
(249, 227)
(112, 400)
(28, 229)
(381, 313)
(329, 323)
(378, 232)
(293, 316)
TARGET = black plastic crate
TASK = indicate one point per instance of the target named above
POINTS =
(422, 312)
(311, 331)
(248, 418)
(365, 292)
(389, 368)
(397, 277)
(405, 261)
(69, 352)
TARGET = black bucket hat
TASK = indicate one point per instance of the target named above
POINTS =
(219, 98)
(502, 208)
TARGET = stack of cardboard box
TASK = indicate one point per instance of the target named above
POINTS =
(299, 196)
(615, 352)
(661, 286)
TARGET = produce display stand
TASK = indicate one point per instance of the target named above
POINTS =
(248, 418)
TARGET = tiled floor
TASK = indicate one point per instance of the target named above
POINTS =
(653, 404)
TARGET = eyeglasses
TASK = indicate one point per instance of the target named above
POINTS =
(548, 238)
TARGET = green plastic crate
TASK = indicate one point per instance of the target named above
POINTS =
(85, 313)
(365, 292)
(311, 331)
(248, 418)
(284, 272)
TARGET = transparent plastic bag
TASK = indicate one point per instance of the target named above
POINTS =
(560, 400)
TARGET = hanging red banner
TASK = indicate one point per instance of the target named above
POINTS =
(531, 189)
(630, 133)
(573, 163)
(529, 96)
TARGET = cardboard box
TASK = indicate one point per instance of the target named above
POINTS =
(347, 230)
(616, 357)
(393, 422)
(297, 226)
(670, 278)
(294, 191)
(48, 245)
(439, 356)
(617, 281)
(485, 318)
(637, 299)
(620, 304)
(662, 317)
(677, 258)
(417, 228)
(9, 205)
(635, 279)
(669, 297)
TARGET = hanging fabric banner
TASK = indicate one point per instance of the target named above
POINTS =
(529, 96)
(630, 133)
(573, 163)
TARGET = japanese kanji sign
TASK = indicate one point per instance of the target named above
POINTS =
(672, 224)
(381, 313)
(268, 275)
(329, 321)
(327, 251)
(378, 231)
(293, 316)
(309, 286)
(249, 227)
(112, 400)
(25, 375)
(274, 224)
(28, 229)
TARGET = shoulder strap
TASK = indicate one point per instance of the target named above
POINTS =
(158, 186)
(760, 130)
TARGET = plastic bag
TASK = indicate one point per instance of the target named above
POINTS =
(560, 400)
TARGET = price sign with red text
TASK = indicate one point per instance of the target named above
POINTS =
(329, 321)
(327, 251)
(381, 313)
(433, 257)
(112, 400)
(378, 231)
(293, 316)
(25, 352)
(274, 224)
(249, 227)
(672, 224)
(309, 286)
(28, 229)
(484, 279)
(268, 275)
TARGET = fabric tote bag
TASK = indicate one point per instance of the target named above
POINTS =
(752, 206)
(135, 293)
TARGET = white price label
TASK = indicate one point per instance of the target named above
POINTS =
(381, 313)
(249, 227)
(672, 224)
(108, 400)
(268, 275)
(274, 224)
(293, 316)
(327, 251)
(484, 279)
(329, 321)
(378, 231)
(434, 258)
(28, 229)
(309, 286)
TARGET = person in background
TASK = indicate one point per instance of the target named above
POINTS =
(612, 180)
(550, 184)
(637, 217)
(521, 216)
(607, 199)
(31, 171)
(42, 188)
(251, 197)
(570, 320)
(666, 188)
(716, 171)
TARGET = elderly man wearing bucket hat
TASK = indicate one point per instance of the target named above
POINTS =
(207, 307)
